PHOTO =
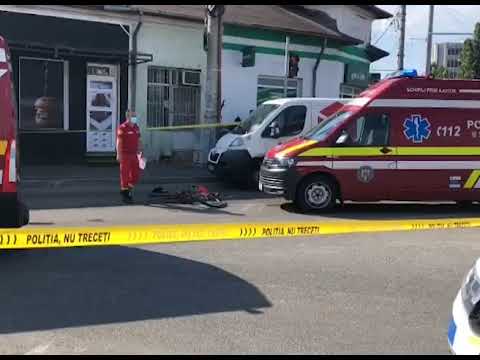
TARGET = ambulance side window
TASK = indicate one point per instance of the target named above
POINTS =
(369, 130)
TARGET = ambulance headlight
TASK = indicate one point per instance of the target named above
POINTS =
(284, 162)
(237, 142)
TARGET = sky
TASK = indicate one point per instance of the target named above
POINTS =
(447, 18)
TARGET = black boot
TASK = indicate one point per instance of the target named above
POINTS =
(126, 196)
(130, 194)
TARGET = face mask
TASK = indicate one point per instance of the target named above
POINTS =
(134, 120)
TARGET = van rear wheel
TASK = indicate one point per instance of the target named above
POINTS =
(317, 193)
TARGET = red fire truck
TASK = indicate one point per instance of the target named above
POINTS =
(407, 138)
(13, 212)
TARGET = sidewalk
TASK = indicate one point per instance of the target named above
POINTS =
(155, 173)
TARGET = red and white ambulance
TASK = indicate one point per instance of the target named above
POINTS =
(407, 138)
(13, 213)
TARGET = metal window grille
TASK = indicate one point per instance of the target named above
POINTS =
(173, 97)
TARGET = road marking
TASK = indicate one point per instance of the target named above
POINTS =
(31, 238)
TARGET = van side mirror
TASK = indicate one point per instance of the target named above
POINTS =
(342, 139)
(274, 130)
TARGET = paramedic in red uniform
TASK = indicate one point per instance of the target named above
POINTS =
(128, 149)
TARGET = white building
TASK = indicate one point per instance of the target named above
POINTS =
(342, 69)
(447, 55)
(165, 82)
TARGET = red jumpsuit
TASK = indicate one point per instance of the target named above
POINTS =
(128, 136)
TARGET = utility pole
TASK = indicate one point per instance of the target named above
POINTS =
(287, 62)
(214, 15)
(401, 43)
(429, 42)
(214, 18)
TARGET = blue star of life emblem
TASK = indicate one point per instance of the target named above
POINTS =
(417, 128)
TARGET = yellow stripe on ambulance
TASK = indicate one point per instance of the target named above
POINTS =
(472, 181)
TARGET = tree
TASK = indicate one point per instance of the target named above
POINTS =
(467, 60)
(470, 56)
(439, 72)
(476, 51)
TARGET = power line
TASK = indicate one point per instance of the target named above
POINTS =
(385, 31)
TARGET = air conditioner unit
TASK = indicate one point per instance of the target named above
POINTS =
(191, 78)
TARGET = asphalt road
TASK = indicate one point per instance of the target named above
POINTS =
(363, 293)
(368, 294)
(74, 205)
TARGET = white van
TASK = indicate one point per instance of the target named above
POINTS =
(239, 154)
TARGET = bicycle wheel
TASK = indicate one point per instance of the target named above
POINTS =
(212, 200)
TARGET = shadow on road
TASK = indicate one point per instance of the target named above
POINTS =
(59, 288)
(376, 211)
(77, 197)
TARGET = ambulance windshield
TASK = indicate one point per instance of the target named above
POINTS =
(327, 126)
(255, 118)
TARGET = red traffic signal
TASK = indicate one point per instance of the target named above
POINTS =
(293, 62)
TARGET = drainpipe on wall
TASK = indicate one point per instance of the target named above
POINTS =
(219, 61)
(133, 61)
(315, 68)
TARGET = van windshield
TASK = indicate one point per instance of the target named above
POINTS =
(255, 119)
(327, 126)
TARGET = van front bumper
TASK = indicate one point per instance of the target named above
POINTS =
(272, 180)
(279, 180)
(235, 164)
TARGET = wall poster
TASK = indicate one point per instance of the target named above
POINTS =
(102, 107)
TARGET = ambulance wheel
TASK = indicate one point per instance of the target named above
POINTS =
(15, 213)
(318, 193)
(23, 214)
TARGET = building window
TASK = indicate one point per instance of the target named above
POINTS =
(348, 91)
(173, 97)
(272, 87)
(43, 90)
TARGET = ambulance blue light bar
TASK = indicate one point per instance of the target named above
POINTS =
(410, 73)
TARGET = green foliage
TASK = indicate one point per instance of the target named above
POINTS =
(439, 72)
(470, 56)
(467, 60)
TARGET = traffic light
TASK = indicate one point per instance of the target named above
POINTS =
(294, 60)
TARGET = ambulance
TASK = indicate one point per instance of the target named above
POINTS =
(406, 138)
(13, 212)
(238, 154)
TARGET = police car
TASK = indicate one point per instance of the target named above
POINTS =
(464, 326)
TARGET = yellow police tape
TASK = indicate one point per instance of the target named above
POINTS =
(188, 127)
(29, 238)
